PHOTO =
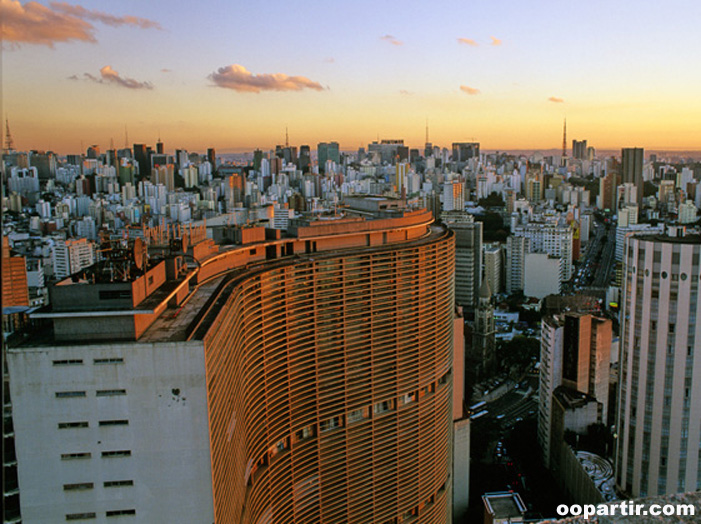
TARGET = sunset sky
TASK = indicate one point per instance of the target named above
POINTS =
(232, 75)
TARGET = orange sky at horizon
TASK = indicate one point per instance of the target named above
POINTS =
(505, 81)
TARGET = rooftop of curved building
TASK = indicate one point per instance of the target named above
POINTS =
(178, 308)
(674, 235)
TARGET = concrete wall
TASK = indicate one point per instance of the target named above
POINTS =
(164, 402)
(577, 483)
(461, 468)
(542, 275)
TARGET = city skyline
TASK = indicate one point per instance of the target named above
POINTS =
(203, 76)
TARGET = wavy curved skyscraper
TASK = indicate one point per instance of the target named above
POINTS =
(294, 379)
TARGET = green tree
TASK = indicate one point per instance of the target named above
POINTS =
(493, 200)
(518, 352)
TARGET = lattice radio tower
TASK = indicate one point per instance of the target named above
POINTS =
(564, 139)
(9, 143)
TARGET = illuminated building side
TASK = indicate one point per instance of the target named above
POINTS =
(330, 387)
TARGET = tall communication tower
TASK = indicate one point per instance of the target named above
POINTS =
(564, 139)
(9, 143)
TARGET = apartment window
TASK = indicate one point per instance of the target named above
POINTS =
(443, 379)
(280, 446)
(70, 425)
(118, 453)
(70, 394)
(305, 433)
(78, 487)
(409, 515)
(408, 398)
(80, 516)
(110, 392)
(119, 512)
(72, 362)
(75, 456)
(332, 423)
(358, 414)
(117, 483)
(114, 423)
(431, 388)
(384, 406)
(100, 361)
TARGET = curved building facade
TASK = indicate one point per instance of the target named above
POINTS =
(302, 378)
(659, 406)
(329, 386)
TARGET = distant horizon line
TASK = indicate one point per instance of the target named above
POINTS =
(514, 150)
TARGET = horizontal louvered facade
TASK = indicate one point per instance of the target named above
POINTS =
(329, 386)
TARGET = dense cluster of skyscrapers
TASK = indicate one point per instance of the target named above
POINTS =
(280, 335)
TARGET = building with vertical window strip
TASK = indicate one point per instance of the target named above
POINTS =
(303, 379)
(659, 404)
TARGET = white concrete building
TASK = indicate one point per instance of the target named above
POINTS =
(97, 424)
(453, 196)
(550, 376)
(70, 256)
(282, 217)
(550, 238)
(659, 407)
(628, 215)
(543, 275)
(623, 231)
(687, 212)
(626, 194)
(492, 268)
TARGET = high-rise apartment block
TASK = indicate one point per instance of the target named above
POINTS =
(553, 239)
(632, 169)
(534, 187)
(142, 160)
(305, 159)
(575, 351)
(468, 256)
(327, 151)
(299, 379)
(579, 149)
(607, 191)
(464, 151)
(212, 157)
(626, 194)
(687, 212)
(516, 250)
(493, 268)
(659, 437)
(453, 196)
(70, 256)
